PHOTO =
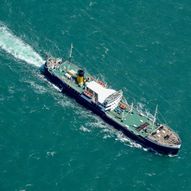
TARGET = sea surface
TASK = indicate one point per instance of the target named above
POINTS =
(48, 142)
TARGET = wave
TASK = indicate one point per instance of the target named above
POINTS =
(17, 48)
(37, 87)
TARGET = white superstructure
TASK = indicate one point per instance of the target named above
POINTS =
(107, 98)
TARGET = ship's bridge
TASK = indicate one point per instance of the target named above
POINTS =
(108, 98)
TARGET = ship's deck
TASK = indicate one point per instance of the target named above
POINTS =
(132, 120)
(61, 73)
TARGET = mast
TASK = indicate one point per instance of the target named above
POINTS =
(70, 53)
(122, 115)
(155, 115)
(131, 108)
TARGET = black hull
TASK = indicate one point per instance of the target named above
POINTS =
(93, 107)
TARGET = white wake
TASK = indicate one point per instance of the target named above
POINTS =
(17, 48)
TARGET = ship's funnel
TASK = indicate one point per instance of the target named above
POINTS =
(80, 77)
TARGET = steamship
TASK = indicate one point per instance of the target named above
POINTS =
(111, 106)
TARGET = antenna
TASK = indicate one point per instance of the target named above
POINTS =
(70, 53)
(155, 115)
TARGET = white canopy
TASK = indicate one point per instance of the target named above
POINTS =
(101, 91)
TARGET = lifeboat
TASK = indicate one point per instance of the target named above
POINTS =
(122, 105)
(87, 93)
(101, 83)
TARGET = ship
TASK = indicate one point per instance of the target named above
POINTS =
(111, 105)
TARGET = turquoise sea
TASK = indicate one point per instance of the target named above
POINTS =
(48, 142)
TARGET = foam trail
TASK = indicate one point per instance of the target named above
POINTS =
(17, 48)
